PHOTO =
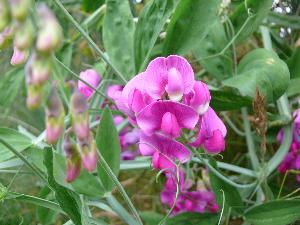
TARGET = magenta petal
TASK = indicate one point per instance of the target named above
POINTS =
(160, 162)
(175, 86)
(135, 100)
(169, 125)
(165, 73)
(150, 118)
(91, 77)
(215, 143)
(165, 145)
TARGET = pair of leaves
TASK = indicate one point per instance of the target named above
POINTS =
(279, 212)
(261, 69)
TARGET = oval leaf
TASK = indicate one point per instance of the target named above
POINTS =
(261, 69)
(108, 144)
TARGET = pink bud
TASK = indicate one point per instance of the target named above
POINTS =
(72, 159)
(50, 34)
(24, 35)
(54, 117)
(20, 8)
(34, 96)
(6, 37)
(19, 57)
(80, 116)
(38, 68)
(91, 77)
(88, 153)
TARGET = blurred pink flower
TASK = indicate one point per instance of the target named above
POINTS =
(19, 57)
(91, 77)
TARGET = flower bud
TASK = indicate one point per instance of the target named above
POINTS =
(80, 115)
(19, 57)
(6, 37)
(4, 14)
(24, 35)
(72, 159)
(20, 9)
(88, 153)
(34, 96)
(38, 68)
(54, 117)
(50, 34)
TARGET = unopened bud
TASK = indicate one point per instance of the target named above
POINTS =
(4, 14)
(6, 37)
(50, 34)
(34, 96)
(38, 68)
(24, 35)
(88, 153)
(19, 57)
(72, 159)
(20, 9)
(80, 115)
(54, 117)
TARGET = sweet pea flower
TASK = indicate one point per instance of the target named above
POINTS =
(173, 75)
(164, 145)
(90, 76)
(168, 116)
(133, 97)
(19, 57)
(212, 132)
(198, 98)
(114, 91)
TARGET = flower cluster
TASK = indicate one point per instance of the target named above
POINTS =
(200, 200)
(292, 159)
(167, 104)
(17, 26)
(164, 100)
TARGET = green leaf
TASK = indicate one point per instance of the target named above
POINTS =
(193, 218)
(294, 65)
(151, 218)
(232, 196)
(189, 24)
(108, 145)
(228, 100)
(261, 69)
(68, 200)
(220, 66)
(258, 9)
(283, 20)
(293, 87)
(150, 23)
(10, 85)
(65, 56)
(91, 5)
(44, 215)
(279, 212)
(15, 139)
(118, 32)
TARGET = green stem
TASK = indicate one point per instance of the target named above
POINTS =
(89, 39)
(120, 188)
(282, 183)
(249, 140)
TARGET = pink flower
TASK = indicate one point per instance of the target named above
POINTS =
(19, 57)
(167, 116)
(198, 98)
(90, 76)
(173, 75)
(163, 145)
(114, 91)
(212, 132)
(133, 97)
